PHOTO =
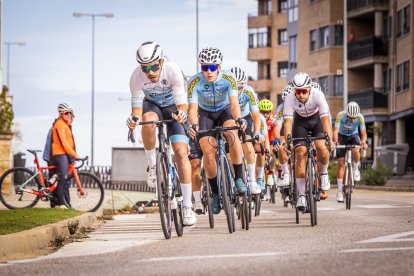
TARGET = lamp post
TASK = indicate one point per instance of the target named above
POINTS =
(8, 44)
(93, 15)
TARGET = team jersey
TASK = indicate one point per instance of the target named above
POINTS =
(167, 91)
(270, 125)
(279, 115)
(209, 96)
(248, 101)
(263, 125)
(348, 128)
(316, 104)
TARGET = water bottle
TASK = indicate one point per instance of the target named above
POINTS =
(172, 178)
(52, 180)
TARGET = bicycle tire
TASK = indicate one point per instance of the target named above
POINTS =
(273, 194)
(257, 202)
(162, 190)
(93, 190)
(225, 193)
(309, 185)
(250, 200)
(178, 212)
(315, 193)
(207, 189)
(11, 198)
(348, 187)
(244, 212)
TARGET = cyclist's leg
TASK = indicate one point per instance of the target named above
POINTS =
(150, 112)
(249, 153)
(322, 153)
(195, 160)
(283, 161)
(340, 155)
(356, 156)
(62, 161)
(300, 129)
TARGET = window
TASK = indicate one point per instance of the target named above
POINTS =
(293, 11)
(323, 82)
(292, 52)
(403, 21)
(388, 27)
(313, 40)
(282, 68)
(283, 37)
(387, 79)
(338, 85)
(263, 70)
(403, 76)
(324, 37)
(260, 37)
(283, 6)
(339, 35)
(265, 7)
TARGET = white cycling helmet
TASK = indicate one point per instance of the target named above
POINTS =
(301, 80)
(149, 52)
(241, 77)
(316, 85)
(210, 55)
(286, 91)
(352, 110)
(64, 107)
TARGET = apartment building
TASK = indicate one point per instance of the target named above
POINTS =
(379, 57)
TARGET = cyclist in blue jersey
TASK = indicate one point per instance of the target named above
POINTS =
(213, 95)
(250, 112)
(346, 133)
(158, 93)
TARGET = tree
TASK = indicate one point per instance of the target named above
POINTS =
(6, 112)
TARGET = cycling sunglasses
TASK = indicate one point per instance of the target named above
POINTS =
(153, 68)
(301, 91)
(67, 113)
(212, 67)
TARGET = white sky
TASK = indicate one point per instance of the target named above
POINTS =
(55, 64)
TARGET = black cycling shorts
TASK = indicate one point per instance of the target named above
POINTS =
(209, 120)
(175, 131)
(347, 140)
(302, 126)
(195, 153)
(250, 126)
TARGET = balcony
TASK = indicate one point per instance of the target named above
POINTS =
(257, 21)
(365, 8)
(372, 97)
(261, 85)
(256, 54)
(367, 51)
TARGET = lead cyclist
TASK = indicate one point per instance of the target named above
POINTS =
(157, 93)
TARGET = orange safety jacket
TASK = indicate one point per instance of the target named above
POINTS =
(63, 141)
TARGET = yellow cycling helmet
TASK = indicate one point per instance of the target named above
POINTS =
(265, 105)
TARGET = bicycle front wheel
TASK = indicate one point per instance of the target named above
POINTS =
(12, 183)
(87, 195)
(207, 200)
(348, 189)
(163, 196)
(225, 193)
(310, 196)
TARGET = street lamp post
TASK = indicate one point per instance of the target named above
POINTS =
(8, 44)
(93, 15)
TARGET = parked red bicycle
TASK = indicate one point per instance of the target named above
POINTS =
(21, 187)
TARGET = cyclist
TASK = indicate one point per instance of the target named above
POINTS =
(63, 151)
(308, 111)
(157, 92)
(279, 141)
(250, 112)
(346, 133)
(261, 158)
(266, 107)
(213, 101)
(195, 157)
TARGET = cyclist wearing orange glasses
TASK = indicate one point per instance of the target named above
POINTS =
(157, 91)
(306, 111)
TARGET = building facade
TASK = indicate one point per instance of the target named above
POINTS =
(379, 58)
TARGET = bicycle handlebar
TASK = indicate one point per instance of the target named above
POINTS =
(82, 160)
(217, 129)
(309, 138)
(252, 140)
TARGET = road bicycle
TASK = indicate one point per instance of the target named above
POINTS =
(229, 197)
(312, 190)
(349, 182)
(22, 188)
(168, 185)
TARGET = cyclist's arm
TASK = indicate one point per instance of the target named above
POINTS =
(137, 94)
(287, 127)
(267, 143)
(326, 124)
(335, 135)
(136, 111)
(276, 131)
(183, 107)
(235, 107)
(62, 133)
(256, 121)
(192, 113)
(362, 129)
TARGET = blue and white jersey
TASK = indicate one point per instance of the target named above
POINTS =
(212, 96)
(263, 125)
(169, 89)
(279, 115)
(348, 128)
(248, 101)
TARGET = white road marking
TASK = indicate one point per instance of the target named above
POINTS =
(380, 206)
(190, 258)
(375, 249)
(325, 208)
(392, 238)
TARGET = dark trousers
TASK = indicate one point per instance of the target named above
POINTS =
(62, 191)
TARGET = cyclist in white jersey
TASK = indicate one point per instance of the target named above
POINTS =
(157, 93)
(308, 111)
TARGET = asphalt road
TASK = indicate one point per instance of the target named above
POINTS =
(376, 237)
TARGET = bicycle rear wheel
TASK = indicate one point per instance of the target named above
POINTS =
(225, 193)
(91, 197)
(11, 195)
(244, 212)
(163, 196)
(207, 200)
(178, 212)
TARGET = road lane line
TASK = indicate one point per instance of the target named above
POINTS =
(203, 257)
(360, 250)
(392, 238)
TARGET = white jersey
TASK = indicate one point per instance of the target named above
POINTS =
(316, 104)
(169, 89)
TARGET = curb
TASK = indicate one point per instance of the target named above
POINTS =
(36, 241)
(381, 188)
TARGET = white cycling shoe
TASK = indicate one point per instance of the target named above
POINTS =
(198, 208)
(284, 181)
(301, 204)
(357, 175)
(255, 188)
(189, 217)
(340, 197)
(152, 177)
(325, 183)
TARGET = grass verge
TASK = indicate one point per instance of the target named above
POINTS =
(13, 221)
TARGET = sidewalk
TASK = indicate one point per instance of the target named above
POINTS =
(397, 183)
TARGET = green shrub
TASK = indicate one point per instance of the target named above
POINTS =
(332, 171)
(376, 176)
